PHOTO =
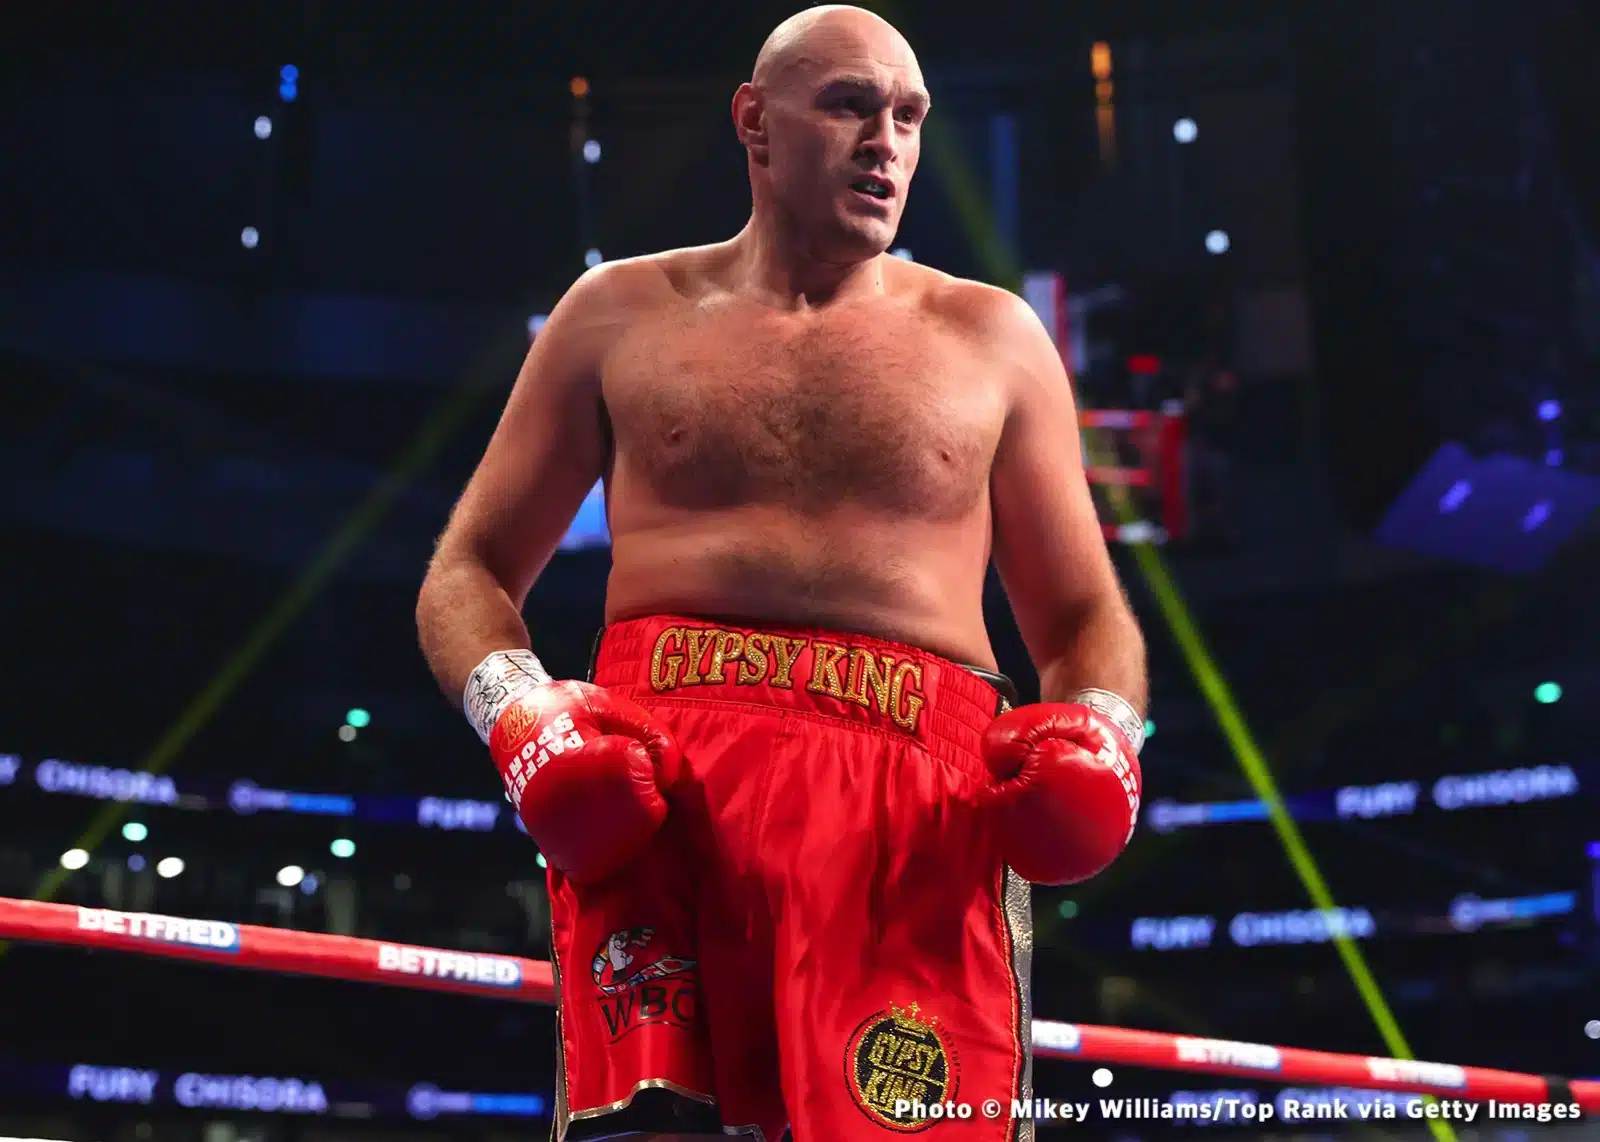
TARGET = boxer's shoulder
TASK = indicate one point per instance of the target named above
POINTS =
(626, 283)
(649, 283)
(977, 311)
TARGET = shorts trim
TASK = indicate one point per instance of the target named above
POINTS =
(753, 1133)
(565, 1116)
(642, 1084)
(1018, 916)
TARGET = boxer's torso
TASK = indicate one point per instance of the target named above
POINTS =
(823, 468)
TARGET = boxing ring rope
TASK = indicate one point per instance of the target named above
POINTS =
(531, 981)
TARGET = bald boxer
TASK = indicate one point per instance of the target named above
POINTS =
(791, 816)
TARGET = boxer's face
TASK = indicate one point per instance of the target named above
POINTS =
(844, 132)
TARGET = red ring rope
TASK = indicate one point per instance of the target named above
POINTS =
(530, 981)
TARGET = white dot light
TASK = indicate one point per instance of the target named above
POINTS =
(1185, 131)
(904, 253)
(591, 150)
(1101, 1077)
(1592, 1028)
(536, 323)
(592, 258)
(290, 875)
(74, 859)
(1217, 241)
(263, 127)
(169, 867)
(250, 237)
(347, 733)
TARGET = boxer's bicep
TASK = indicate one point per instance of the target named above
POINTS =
(1048, 544)
(548, 449)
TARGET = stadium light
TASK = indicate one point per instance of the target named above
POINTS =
(358, 718)
(134, 831)
(290, 875)
(347, 733)
(592, 258)
(1547, 693)
(169, 867)
(74, 859)
(1217, 242)
(1185, 131)
(249, 237)
(343, 848)
(591, 150)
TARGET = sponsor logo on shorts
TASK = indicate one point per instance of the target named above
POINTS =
(881, 681)
(900, 1055)
(640, 987)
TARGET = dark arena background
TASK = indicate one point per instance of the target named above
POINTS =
(1326, 274)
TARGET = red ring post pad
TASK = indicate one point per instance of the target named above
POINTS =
(279, 949)
(531, 981)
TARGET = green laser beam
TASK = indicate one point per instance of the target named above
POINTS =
(999, 264)
(424, 445)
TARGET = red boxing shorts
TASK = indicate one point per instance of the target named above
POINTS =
(824, 935)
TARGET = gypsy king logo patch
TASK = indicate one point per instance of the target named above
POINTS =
(900, 1054)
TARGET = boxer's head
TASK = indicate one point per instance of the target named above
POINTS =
(832, 123)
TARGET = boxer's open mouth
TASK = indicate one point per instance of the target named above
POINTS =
(873, 187)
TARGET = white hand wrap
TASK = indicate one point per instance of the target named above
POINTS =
(1116, 710)
(499, 680)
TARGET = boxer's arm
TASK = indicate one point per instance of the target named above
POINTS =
(546, 453)
(1048, 547)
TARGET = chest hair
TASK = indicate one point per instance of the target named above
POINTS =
(875, 409)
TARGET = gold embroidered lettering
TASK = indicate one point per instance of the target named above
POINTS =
(787, 650)
(665, 679)
(825, 658)
(905, 704)
(864, 672)
(728, 647)
(753, 670)
(696, 643)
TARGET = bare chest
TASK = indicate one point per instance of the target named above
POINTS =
(879, 409)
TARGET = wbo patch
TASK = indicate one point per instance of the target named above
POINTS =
(900, 1054)
(642, 987)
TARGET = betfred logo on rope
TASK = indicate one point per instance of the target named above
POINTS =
(1222, 1053)
(489, 971)
(213, 935)
(1410, 1071)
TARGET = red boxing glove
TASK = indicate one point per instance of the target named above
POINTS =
(1066, 787)
(587, 771)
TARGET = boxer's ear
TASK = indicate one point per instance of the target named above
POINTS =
(750, 120)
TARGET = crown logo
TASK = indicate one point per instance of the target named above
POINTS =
(907, 1019)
